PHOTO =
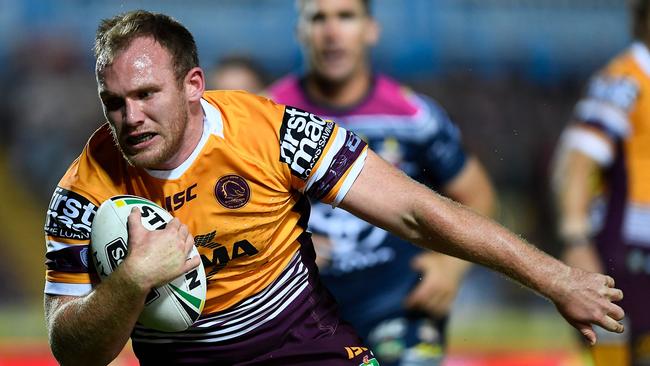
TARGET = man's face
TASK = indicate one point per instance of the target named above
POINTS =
(146, 107)
(336, 35)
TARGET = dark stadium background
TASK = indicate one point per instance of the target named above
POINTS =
(508, 71)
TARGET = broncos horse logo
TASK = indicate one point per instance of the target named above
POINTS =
(232, 191)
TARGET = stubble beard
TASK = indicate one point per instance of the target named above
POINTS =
(156, 156)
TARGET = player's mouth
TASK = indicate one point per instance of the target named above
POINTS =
(139, 141)
(333, 55)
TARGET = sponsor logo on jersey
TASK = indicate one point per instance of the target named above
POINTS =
(355, 351)
(619, 91)
(232, 191)
(69, 215)
(303, 137)
(178, 199)
(221, 254)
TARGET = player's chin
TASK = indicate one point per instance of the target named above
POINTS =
(144, 159)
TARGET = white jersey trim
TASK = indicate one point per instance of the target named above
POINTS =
(642, 56)
(355, 170)
(588, 143)
(212, 125)
(613, 117)
(53, 246)
(635, 224)
(326, 161)
(67, 289)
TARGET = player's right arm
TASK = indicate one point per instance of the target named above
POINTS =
(421, 216)
(93, 329)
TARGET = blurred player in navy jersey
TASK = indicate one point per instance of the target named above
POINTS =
(396, 295)
(602, 185)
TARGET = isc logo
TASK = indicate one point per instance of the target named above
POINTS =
(177, 200)
(116, 252)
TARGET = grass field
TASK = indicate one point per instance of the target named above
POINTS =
(493, 336)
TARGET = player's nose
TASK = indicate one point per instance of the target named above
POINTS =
(133, 113)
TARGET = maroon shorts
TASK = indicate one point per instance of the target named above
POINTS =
(306, 331)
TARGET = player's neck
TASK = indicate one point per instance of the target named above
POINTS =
(340, 94)
(191, 138)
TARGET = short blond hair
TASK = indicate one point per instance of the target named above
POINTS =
(116, 34)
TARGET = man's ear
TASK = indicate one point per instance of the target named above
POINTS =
(194, 84)
(373, 32)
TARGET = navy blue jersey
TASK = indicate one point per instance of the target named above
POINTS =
(369, 272)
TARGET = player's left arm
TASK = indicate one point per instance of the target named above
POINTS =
(442, 274)
(387, 198)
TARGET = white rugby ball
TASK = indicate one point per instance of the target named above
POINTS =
(172, 307)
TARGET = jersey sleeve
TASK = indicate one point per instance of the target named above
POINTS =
(444, 155)
(602, 115)
(607, 102)
(323, 158)
(72, 208)
(67, 236)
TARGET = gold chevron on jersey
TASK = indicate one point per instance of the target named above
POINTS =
(243, 318)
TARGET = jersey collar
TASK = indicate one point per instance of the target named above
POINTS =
(212, 125)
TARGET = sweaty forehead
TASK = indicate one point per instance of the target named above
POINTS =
(143, 61)
(141, 54)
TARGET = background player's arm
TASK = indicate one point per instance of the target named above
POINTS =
(419, 215)
(573, 176)
(93, 329)
(442, 274)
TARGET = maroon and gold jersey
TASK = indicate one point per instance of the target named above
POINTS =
(242, 193)
(613, 128)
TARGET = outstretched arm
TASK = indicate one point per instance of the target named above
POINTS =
(387, 198)
(93, 329)
(441, 274)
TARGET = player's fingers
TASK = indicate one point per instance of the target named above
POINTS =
(440, 305)
(183, 232)
(189, 243)
(134, 221)
(192, 263)
(416, 263)
(415, 297)
(612, 325)
(173, 225)
(609, 281)
(614, 294)
(616, 312)
(588, 332)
